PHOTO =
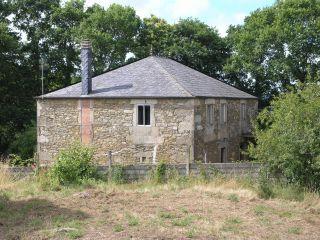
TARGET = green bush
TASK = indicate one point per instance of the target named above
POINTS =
(16, 160)
(73, 165)
(24, 144)
(116, 174)
(160, 172)
(288, 137)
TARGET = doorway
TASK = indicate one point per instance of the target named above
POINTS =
(222, 154)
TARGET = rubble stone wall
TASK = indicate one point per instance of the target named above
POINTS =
(210, 138)
(111, 125)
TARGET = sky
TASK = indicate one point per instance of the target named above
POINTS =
(215, 13)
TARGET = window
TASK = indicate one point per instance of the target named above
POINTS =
(243, 111)
(144, 115)
(223, 113)
(210, 114)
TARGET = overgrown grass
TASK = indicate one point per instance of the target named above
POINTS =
(70, 225)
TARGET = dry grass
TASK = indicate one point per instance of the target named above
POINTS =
(220, 209)
(6, 180)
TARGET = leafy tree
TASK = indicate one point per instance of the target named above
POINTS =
(275, 48)
(16, 104)
(190, 42)
(288, 136)
(25, 142)
(154, 37)
(199, 46)
(32, 18)
(62, 51)
(112, 32)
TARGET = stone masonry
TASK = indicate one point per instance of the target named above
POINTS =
(178, 130)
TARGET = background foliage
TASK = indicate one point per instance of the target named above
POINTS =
(273, 50)
(288, 137)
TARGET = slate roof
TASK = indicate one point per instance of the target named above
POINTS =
(152, 77)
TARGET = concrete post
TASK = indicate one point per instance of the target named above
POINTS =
(110, 159)
(188, 163)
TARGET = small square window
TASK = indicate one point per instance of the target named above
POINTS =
(143, 115)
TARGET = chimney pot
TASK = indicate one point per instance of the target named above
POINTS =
(86, 61)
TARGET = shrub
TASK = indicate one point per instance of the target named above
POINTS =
(73, 165)
(16, 160)
(24, 144)
(160, 172)
(116, 174)
(288, 137)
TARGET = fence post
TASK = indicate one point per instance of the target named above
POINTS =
(188, 163)
(110, 159)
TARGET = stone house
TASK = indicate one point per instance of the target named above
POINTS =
(149, 110)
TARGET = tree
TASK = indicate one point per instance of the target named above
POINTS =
(154, 38)
(190, 42)
(275, 48)
(288, 136)
(199, 46)
(62, 50)
(112, 32)
(32, 18)
(16, 104)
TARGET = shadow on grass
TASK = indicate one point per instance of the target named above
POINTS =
(38, 219)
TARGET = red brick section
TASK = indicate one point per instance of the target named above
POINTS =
(86, 126)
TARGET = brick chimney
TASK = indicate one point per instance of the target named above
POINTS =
(86, 60)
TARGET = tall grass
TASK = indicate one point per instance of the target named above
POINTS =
(6, 179)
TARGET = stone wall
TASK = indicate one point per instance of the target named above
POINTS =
(210, 138)
(110, 125)
(178, 130)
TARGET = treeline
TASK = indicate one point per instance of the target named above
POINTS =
(274, 49)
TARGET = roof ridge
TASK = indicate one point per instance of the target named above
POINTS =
(172, 77)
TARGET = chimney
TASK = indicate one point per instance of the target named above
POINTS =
(86, 60)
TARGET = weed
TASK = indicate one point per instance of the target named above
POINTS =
(259, 210)
(132, 220)
(160, 172)
(163, 214)
(232, 224)
(116, 174)
(191, 233)
(285, 214)
(233, 197)
(265, 189)
(74, 234)
(118, 228)
(182, 222)
(295, 230)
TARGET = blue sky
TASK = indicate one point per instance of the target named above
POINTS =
(217, 13)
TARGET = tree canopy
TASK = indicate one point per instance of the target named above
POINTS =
(288, 136)
(275, 48)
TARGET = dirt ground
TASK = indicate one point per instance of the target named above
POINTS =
(170, 211)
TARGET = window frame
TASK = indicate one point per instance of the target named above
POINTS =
(143, 114)
(223, 116)
(243, 111)
(210, 114)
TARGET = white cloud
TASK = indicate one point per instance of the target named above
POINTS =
(222, 22)
(187, 8)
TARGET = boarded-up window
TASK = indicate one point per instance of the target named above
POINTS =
(143, 115)
(223, 113)
(210, 114)
(243, 111)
